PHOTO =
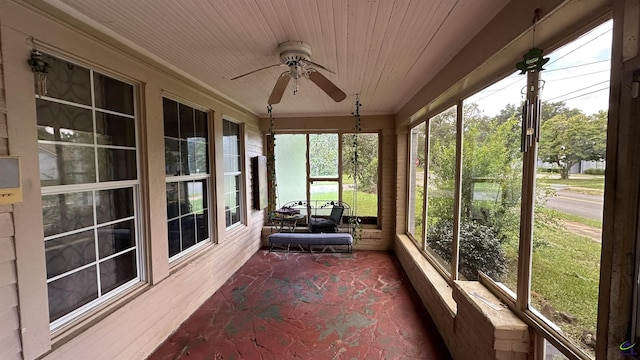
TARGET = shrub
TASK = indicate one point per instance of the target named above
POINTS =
(594, 171)
(480, 248)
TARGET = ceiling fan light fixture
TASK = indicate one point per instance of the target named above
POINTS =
(296, 71)
(297, 56)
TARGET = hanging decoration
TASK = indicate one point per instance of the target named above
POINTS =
(531, 65)
(271, 164)
(40, 67)
(355, 221)
(533, 60)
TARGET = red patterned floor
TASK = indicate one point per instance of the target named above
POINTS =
(309, 306)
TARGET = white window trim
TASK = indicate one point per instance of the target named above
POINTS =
(173, 260)
(141, 258)
(241, 174)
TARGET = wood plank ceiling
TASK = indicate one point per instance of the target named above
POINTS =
(383, 50)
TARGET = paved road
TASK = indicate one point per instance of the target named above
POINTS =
(587, 206)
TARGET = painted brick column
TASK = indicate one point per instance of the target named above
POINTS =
(485, 328)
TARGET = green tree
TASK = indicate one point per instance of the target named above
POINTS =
(509, 112)
(551, 109)
(323, 155)
(491, 161)
(566, 139)
(367, 160)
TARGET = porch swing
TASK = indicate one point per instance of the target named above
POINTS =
(323, 231)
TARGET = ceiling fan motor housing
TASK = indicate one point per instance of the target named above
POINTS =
(297, 55)
(293, 52)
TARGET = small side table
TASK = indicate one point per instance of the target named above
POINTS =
(285, 223)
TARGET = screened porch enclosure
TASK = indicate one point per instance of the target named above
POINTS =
(494, 212)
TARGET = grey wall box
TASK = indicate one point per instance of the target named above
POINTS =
(10, 184)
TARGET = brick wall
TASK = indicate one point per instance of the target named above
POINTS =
(487, 328)
(472, 321)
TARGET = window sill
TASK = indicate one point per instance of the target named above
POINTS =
(68, 332)
(191, 256)
(436, 287)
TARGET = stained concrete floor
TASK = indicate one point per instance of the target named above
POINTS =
(310, 306)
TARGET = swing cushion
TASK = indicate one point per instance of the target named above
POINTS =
(327, 225)
(310, 239)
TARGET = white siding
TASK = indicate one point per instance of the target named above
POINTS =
(10, 346)
(133, 325)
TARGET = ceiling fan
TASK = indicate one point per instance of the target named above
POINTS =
(297, 56)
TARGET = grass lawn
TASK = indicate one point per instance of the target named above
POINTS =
(565, 274)
(367, 203)
(575, 218)
(589, 184)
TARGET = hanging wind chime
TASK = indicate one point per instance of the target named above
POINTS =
(40, 67)
(532, 63)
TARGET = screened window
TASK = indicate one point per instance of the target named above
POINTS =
(415, 218)
(291, 167)
(323, 158)
(530, 197)
(323, 166)
(440, 170)
(492, 181)
(186, 140)
(232, 173)
(361, 190)
(90, 188)
(567, 229)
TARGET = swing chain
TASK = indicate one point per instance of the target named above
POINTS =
(356, 224)
(271, 162)
(269, 108)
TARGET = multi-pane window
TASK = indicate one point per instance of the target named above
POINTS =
(186, 139)
(531, 199)
(323, 166)
(232, 172)
(90, 187)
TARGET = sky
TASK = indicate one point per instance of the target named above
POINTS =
(577, 73)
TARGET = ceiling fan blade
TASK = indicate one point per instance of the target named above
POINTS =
(318, 65)
(327, 86)
(251, 72)
(278, 90)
